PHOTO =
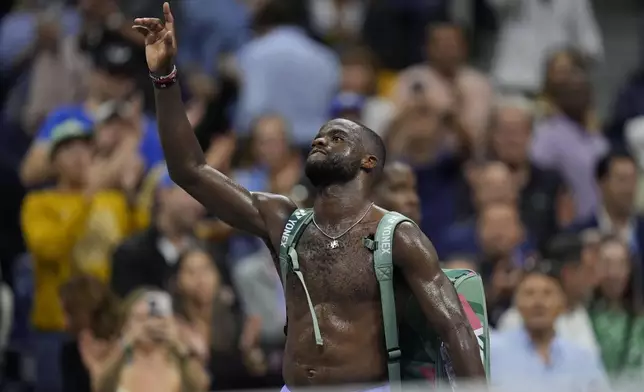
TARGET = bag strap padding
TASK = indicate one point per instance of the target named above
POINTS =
(382, 246)
(293, 230)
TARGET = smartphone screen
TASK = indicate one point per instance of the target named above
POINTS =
(159, 303)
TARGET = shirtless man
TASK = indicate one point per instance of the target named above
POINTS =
(345, 162)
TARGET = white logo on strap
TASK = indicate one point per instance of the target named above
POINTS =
(299, 214)
(290, 225)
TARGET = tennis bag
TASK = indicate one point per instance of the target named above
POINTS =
(416, 354)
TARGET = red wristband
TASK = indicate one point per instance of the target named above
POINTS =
(166, 81)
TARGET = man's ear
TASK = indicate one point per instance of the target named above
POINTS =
(369, 162)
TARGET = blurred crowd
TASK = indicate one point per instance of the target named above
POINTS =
(115, 279)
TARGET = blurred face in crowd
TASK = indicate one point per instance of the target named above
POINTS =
(574, 95)
(137, 319)
(182, 210)
(511, 135)
(493, 184)
(615, 264)
(358, 77)
(71, 160)
(560, 67)
(336, 153)
(500, 230)
(446, 48)
(105, 87)
(418, 137)
(111, 133)
(540, 300)
(619, 186)
(270, 141)
(397, 191)
(198, 278)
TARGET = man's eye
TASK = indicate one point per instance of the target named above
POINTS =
(336, 138)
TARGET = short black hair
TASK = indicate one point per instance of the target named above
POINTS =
(603, 165)
(564, 249)
(274, 13)
(431, 28)
(546, 268)
(376, 146)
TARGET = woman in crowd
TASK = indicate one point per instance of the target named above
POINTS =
(151, 356)
(616, 311)
(205, 318)
(557, 69)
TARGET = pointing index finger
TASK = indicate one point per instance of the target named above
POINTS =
(167, 14)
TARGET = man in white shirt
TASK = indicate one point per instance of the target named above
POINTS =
(576, 276)
(531, 29)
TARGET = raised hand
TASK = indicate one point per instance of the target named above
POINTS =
(160, 41)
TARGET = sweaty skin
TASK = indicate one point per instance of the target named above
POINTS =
(341, 281)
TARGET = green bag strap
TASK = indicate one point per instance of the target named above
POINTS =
(382, 246)
(293, 230)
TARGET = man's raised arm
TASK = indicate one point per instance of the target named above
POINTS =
(186, 163)
(416, 257)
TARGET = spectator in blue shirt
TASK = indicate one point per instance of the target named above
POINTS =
(283, 71)
(111, 84)
(533, 357)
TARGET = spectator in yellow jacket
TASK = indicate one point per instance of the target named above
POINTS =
(70, 229)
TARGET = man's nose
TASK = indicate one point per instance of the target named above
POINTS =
(319, 142)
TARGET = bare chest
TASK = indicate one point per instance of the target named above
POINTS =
(339, 272)
(152, 377)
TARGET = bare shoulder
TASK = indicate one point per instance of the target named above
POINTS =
(412, 247)
(275, 210)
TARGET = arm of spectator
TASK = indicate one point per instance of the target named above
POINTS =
(48, 236)
(108, 378)
(586, 31)
(213, 231)
(193, 376)
(477, 106)
(35, 169)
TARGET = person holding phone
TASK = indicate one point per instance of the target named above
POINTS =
(151, 356)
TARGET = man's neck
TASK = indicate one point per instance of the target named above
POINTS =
(618, 218)
(336, 203)
(542, 339)
(198, 311)
(68, 186)
(577, 118)
(448, 73)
